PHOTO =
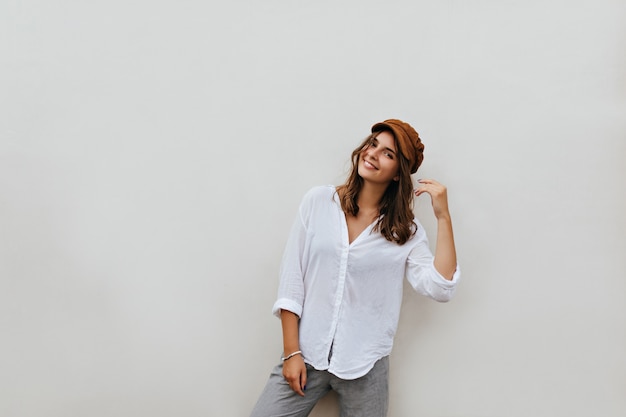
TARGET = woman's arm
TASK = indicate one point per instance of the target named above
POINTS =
(294, 369)
(445, 253)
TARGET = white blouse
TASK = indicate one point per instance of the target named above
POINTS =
(348, 295)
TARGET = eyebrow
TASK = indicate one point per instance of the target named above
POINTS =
(389, 149)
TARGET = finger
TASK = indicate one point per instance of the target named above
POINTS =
(295, 384)
(429, 181)
(297, 388)
(303, 380)
(423, 189)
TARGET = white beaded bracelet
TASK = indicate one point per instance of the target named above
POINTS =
(291, 355)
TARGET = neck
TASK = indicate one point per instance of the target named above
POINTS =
(370, 196)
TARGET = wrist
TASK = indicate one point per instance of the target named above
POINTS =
(444, 216)
(291, 355)
(290, 347)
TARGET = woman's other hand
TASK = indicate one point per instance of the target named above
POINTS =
(294, 371)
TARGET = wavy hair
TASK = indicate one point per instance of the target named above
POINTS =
(395, 209)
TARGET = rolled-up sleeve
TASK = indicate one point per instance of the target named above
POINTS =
(422, 275)
(291, 285)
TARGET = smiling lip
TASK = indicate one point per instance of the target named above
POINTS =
(369, 164)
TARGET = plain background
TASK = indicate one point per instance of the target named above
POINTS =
(153, 155)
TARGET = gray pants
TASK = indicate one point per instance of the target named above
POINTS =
(367, 396)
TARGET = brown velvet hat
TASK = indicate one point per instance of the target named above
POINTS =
(408, 140)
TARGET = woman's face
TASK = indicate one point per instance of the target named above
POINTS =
(378, 162)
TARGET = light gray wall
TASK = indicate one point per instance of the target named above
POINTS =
(153, 154)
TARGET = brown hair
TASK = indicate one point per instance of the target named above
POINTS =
(396, 206)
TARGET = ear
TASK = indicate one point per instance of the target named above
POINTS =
(396, 178)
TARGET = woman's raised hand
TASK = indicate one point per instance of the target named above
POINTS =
(438, 194)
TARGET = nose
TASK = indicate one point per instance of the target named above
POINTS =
(372, 153)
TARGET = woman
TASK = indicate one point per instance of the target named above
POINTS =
(341, 278)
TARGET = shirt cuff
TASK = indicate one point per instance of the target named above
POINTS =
(446, 283)
(286, 304)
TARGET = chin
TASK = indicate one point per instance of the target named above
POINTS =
(362, 171)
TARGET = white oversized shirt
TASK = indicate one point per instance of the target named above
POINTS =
(348, 295)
